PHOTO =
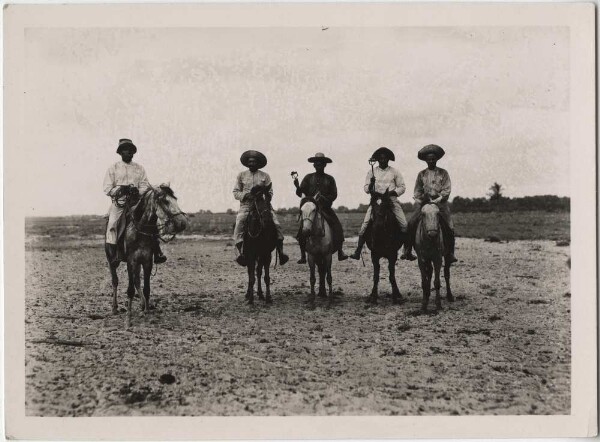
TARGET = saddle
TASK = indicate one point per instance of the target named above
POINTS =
(131, 204)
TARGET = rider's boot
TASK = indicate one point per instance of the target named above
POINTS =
(361, 243)
(302, 259)
(408, 254)
(283, 258)
(341, 255)
(159, 257)
(451, 257)
(241, 260)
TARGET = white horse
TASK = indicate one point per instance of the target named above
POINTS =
(319, 247)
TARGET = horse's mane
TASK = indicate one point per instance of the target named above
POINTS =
(308, 199)
(167, 189)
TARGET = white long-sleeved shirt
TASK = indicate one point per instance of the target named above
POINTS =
(246, 180)
(125, 174)
(386, 179)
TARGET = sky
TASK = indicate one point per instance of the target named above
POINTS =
(193, 99)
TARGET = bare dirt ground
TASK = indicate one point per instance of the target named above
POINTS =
(502, 348)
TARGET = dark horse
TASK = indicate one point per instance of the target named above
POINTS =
(154, 216)
(384, 239)
(429, 244)
(260, 239)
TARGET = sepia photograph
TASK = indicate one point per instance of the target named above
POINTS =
(262, 211)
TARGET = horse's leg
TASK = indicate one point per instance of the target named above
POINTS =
(425, 284)
(250, 291)
(115, 284)
(313, 279)
(147, 272)
(130, 292)
(259, 265)
(372, 298)
(138, 286)
(328, 260)
(437, 283)
(396, 295)
(321, 263)
(449, 295)
(267, 263)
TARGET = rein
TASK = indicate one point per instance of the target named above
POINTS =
(312, 221)
(160, 227)
(260, 219)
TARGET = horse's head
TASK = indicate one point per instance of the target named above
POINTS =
(170, 217)
(381, 204)
(430, 219)
(309, 211)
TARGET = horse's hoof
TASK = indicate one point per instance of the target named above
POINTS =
(371, 300)
(450, 298)
(260, 296)
(269, 301)
(322, 295)
(115, 311)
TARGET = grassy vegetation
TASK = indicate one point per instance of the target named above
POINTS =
(504, 225)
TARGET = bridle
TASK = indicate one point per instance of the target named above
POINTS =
(260, 221)
(160, 227)
(311, 218)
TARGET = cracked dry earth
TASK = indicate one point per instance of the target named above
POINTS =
(502, 348)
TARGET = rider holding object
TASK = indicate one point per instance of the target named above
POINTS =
(379, 180)
(125, 179)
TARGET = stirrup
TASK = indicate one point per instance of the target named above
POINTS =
(283, 258)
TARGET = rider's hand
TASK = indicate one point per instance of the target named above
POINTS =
(247, 197)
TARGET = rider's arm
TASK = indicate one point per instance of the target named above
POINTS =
(269, 185)
(400, 187)
(446, 186)
(143, 183)
(368, 181)
(109, 185)
(332, 193)
(303, 187)
(419, 193)
(238, 191)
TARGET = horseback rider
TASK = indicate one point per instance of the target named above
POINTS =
(321, 187)
(379, 180)
(248, 184)
(432, 186)
(125, 179)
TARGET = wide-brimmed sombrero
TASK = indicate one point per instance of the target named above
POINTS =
(260, 158)
(126, 142)
(319, 157)
(431, 148)
(383, 150)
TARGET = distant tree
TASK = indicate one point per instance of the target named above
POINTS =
(495, 192)
(230, 212)
(343, 209)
